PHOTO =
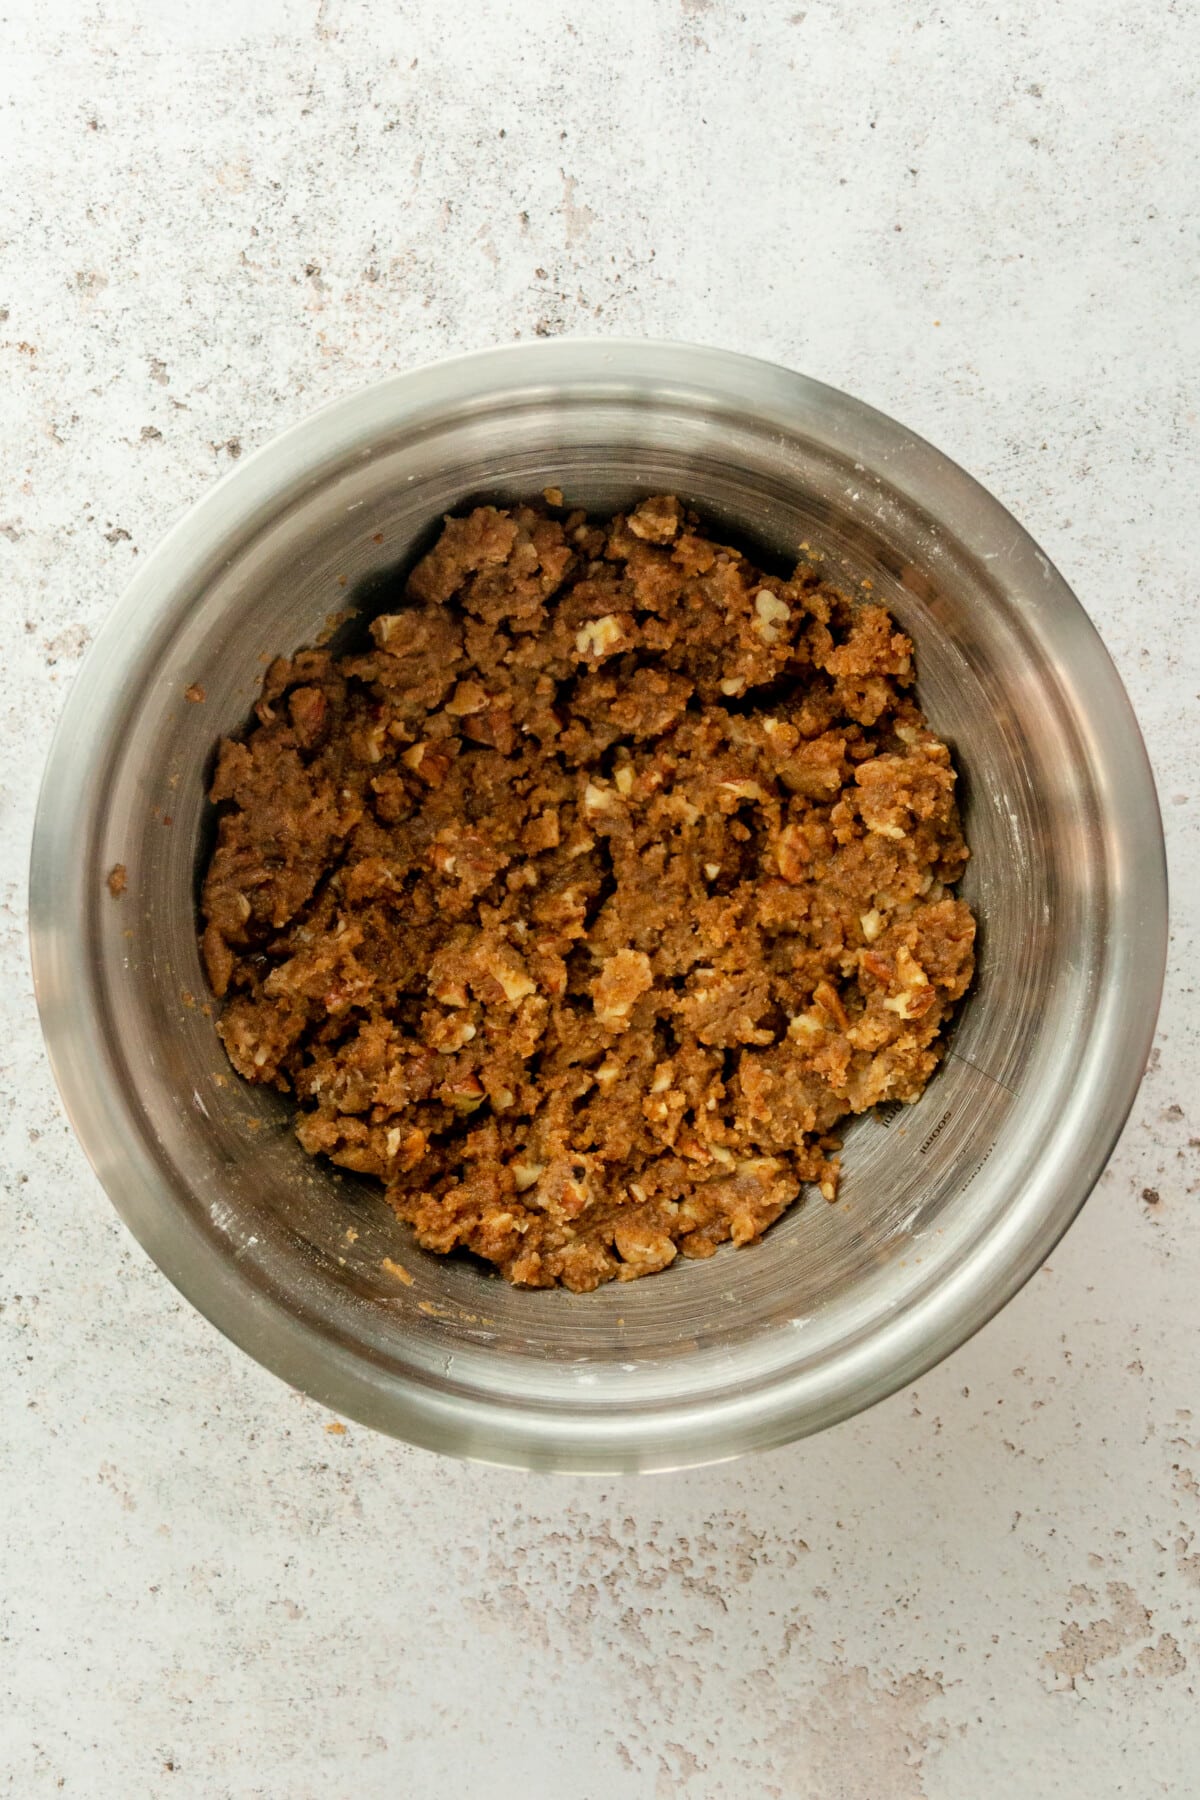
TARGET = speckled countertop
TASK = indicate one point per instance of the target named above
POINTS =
(213, 216)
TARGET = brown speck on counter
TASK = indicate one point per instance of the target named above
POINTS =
(336, 1429)
(397, 1271)
(116, 880)
(194, 693)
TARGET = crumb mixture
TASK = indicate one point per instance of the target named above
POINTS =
(583, 906)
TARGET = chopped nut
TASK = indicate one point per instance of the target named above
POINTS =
(465, 1095)
(598, 799)
(494, 726)
(642, 1249)
(621, 982)
(913, 1003)
(745, 790)
(872, 924)
(430, 761)
(451, 1033)
(792, 854)
(467, 698)
(410, 1150)
(826, 996)
(309, 713)
(513, 979)
(908, 970)
(656, 520)
(878, 966)
(771, 612)
(600, 637)
(680, 807)
(803, 1028)
(374, 739)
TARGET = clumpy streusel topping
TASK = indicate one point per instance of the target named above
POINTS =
(583, 906)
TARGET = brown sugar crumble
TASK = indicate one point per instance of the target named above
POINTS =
(582, 907)
(117, 880)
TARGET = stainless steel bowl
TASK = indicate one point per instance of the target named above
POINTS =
(947, 1206)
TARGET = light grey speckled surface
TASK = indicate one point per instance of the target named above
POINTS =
(982, 219)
